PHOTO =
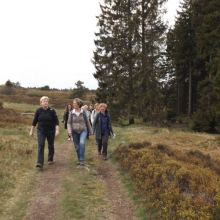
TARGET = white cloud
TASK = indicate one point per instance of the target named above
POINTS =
(49, 42)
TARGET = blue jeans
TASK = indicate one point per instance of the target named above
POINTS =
(42, 135)
(79, 140)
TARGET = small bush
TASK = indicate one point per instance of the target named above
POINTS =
(204, 121)
(139, 145)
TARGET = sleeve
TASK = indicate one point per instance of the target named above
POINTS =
(35, 120)
(69, 124)
(110, 125)
(92, 116)
(64, 116)
(87, 123)
(94, 123)
(56, 120)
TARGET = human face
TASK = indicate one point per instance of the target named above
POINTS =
(69, 107)
(75, 105)
(102, 109)
(45, 103)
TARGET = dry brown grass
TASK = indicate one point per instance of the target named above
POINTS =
(177, 140)
(10, 117)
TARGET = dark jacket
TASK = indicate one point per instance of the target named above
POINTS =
(65, 118)
(97, 126)
(45, 119)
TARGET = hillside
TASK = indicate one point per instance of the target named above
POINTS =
(58, 98)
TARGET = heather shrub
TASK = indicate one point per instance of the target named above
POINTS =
(179, 185)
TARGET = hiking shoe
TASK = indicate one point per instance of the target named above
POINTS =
(50, 162)
(39, 166)
(105, 158)
(82, 164)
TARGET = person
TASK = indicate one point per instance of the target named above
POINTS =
(94, 112)
(102, 129)
(90, 108)
(78, 127)
(86, 110)
(88, 114)
(47, 128)
(65, 117)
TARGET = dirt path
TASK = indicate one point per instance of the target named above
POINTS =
(45, 202)
(120, 205)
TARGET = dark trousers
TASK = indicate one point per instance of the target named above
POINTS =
(42, 135)
(103, 144)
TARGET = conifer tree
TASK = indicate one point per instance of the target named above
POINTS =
(114, 56)
(183, 58)
(206, 21)
(152, 38)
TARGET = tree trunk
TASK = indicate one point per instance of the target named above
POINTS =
(190, 93)
(178, 98)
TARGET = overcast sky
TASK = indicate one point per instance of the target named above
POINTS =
(50, 42)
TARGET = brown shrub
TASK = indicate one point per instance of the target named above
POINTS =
(178, 189)
(139, 145)
(165, 149)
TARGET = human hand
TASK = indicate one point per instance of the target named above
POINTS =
(31, 132)
(57, 132)
(113, 135)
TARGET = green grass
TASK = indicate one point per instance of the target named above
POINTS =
(17, 152)
(18, 155)
(83, 193)
(29, 108)
(21, 107)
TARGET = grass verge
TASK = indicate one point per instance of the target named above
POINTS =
(83, 193)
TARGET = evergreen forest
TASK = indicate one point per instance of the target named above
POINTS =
(147, 70)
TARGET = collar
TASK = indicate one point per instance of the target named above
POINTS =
(74, 111)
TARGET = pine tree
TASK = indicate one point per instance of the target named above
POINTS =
(114, 57)
(151, 40)
(170, 80)
(182, 56)
(206, 21)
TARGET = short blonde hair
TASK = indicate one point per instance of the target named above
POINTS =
(96, 104)
(103, 105)
(43, 98)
